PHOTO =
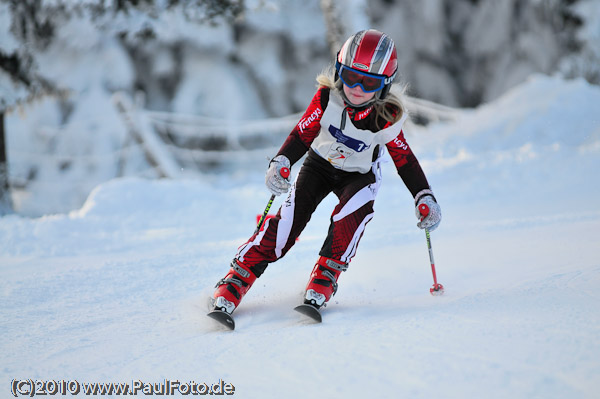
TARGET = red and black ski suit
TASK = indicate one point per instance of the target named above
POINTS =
(344, 152)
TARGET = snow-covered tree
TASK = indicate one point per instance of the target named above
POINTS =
(45, 50)
(464, 52)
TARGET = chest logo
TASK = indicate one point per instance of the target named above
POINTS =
(350, 142)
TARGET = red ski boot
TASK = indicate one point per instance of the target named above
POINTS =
(232, 288)
(323, 281)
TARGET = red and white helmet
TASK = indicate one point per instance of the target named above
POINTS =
(370, 51)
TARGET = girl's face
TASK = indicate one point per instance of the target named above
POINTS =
(356, 95)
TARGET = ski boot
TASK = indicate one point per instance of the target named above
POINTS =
(232, 288)
(323, 281)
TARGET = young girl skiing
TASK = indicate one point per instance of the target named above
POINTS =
(349, 123)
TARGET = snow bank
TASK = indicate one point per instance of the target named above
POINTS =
(541, 139)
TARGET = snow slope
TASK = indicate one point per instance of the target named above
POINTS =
(116, 291)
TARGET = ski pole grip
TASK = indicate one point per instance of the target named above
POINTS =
(424, 210)
(284, 172)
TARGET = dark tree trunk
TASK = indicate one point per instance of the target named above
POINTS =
(5, 200)
(336, 31)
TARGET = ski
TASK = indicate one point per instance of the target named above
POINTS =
(222, 317)
(310, 311)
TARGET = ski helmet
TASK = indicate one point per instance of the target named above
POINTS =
(371, 52)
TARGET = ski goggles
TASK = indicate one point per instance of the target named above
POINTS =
(368, 82)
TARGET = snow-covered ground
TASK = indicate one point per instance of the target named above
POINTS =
(116, 291)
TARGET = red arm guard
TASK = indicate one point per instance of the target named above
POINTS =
(307, 129)
(407, 165)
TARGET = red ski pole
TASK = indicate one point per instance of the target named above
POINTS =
(437, 288)
(285, 173)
